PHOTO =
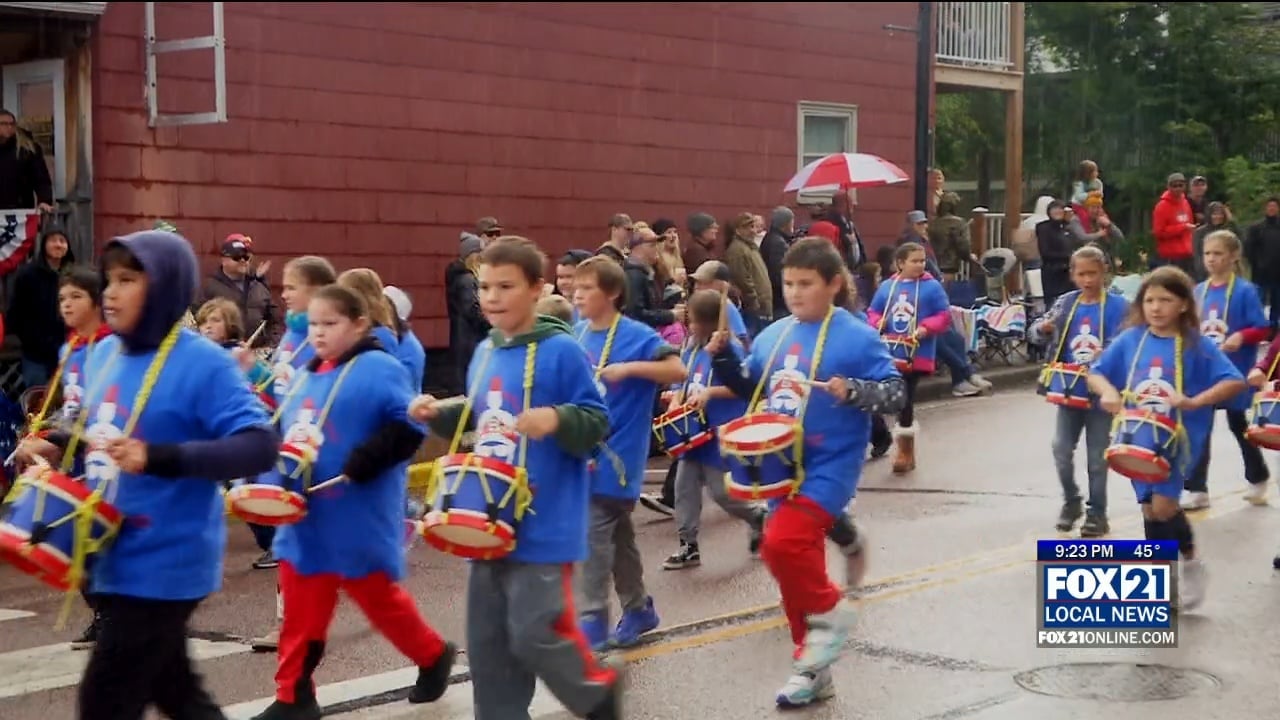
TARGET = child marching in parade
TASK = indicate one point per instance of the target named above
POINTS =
(1164, 336)
(1232, 317)
(171, 417)
(1079, 325)
(346, 417)
(834, 375)
(702, 467)
(631, 362)
(910, 310)
(1262, 377)
(521, 621)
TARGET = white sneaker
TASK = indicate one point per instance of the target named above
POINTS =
(1195, 501)
(1257, 493)
(966, 389)
(981, 382)
(806, 688)
(1192, 581)
(824, 642)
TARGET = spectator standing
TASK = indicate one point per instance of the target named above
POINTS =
(467, 325)
(1172, 224)
(750, 276)
(33, 314)
(782, 224)
(1262, 249)
(234, 281)
(24, 174)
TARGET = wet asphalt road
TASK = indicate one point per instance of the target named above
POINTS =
(947, 623)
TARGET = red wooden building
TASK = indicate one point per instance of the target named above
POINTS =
(374, 134)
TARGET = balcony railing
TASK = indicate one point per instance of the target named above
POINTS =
(975, 34)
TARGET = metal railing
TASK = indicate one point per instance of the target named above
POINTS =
(975, 34)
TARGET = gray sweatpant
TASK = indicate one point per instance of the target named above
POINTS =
(691, 477)
(613, 554)
(521, 627)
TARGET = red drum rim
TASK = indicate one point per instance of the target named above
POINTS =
(63, 484)
(1264, 436)
(752, 447)
(286, 498)
(1118, 456)
(773, 491)
(693, 443)
(500, 531)
(1071, 401)
(471, 461)
(1150, 416)
(1074, 368)
(41, 561)
(671, 416)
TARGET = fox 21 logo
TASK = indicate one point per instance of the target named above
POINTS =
(1119, 582)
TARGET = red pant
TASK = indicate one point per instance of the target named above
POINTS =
(795, 549)
(309, 604)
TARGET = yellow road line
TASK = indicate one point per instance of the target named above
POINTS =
(741, 630)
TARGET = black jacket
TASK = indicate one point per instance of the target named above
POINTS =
(772, 248)
(33, 309)
(24, 176)
(467, 326)
(644, 297)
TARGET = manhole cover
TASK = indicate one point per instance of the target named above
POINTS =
(1116, 682)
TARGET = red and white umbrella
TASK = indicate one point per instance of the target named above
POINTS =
(845, 170)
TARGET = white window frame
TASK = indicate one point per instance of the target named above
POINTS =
(808, 108)
(38, 71)
(217, 42)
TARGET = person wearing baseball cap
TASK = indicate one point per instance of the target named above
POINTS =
(488, 229)
(715, 275)
(1172, 223)
(409, 351)
(248, 289)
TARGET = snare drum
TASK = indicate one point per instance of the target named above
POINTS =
(1144, 445)
(41, 525)
(1066, 384)
(682, 429)
(276, 498)
(760, 452)
(477, 504)
(902, 348)
(1264, 429)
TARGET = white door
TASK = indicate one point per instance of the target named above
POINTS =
(36, 93)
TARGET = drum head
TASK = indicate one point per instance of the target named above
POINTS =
(764, 432)
(1137, 463)
(465, 536)
(267, 504)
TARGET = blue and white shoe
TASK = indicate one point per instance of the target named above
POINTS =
(635, 623)
(824, 643)
(805, 689)
(595, 625)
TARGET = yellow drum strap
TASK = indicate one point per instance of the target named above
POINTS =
(1129, 396)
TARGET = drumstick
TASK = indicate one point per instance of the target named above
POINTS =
(724, 312)
(256, 333)
(328, 483)
(814, 383)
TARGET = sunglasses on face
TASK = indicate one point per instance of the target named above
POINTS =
(492, 233)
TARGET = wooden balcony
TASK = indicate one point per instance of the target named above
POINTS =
(979, 45)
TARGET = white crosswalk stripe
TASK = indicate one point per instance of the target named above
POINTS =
(54, 666)
(7, 614)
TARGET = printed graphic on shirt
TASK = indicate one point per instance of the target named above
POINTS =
(696, 384)
(496, 435)
(1085, 346)
(304, 430)
(282, 372)
(98, 465)
(1214, 327)
(1154, 392)
(901, 314)
(72, 394)
(787, 387)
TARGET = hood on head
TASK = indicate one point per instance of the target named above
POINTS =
(1042, 205)
(51, 229)
(1214, 207)
(172, 278)
(543, 327)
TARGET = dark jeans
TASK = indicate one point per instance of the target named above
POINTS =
(952, 352)
(141, 659)
(1271, 296)
(263, 535)
(1255, 468)
(907, 417)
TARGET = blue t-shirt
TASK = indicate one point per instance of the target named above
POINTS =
(555, 529)
(718, 411)
(835, 435)
(172, 541)
(619, 466)
(1142, 364)
(1225, 310)
(73, 379)
(410, 354)
(292, 354)
(737, 326)
(351, 530)
(1088, 327)
(903, 304)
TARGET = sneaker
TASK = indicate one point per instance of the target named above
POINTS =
(655, 503)
(686, 557)
(755, 535)
(595, 626)
(965, 389)
(88, 638)
(1072, 510)
(1275, 562)
(879, 450)
(433, 681)
(824, 642)
(980, 382)
(267, 643)
(1192, 581)
(635, 623)
(1195, 501)
(1094, 526)
(806, 688)
(266, 561)
(303, 709)
(1257, 493)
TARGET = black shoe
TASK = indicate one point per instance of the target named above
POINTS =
(611, 707)
(1072, 510)
(880, 449)
(1094, 526)
(266, 561)
(1275, 562)
(302, 709)
(434, 681)
(88, 638)
(755, 536)
(686, 557)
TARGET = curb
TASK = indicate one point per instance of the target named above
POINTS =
(938, 387)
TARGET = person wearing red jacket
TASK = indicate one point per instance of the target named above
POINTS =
(1172, 224)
